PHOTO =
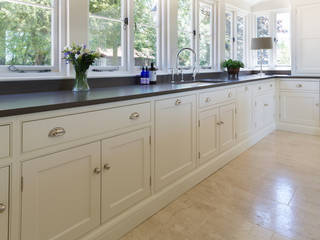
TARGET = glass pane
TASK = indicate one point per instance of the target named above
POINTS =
(106, 8)
(263, 30)
(205, 16)
(25, 34)
(106, 35)
(241, 38)
(185, 30)
(145, 32)
(283, 39)
(228, 37)
(47, 3)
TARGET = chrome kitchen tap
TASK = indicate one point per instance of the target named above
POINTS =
(194, 68)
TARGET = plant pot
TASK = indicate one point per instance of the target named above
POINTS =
(233, 73)
(81, 82)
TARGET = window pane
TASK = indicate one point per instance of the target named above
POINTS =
(25, 34)
(185, 30)
(241, 38)
(205, 16)
(145, 32)
(283, 39)
(105, 30)
(263, 30)
(228, 37)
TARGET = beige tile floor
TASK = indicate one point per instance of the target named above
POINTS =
(270, 192)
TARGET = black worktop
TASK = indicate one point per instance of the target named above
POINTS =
(25, 103)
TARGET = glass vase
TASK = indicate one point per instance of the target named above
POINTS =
(81, 82)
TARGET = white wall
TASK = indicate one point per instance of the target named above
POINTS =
(270, 5)
(239, 4)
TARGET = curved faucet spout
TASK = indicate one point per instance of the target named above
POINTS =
(194, 73)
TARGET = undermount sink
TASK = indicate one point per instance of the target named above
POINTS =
(193, 84)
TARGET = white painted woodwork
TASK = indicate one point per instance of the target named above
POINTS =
(244, 114)
(35, 133)
(218, 96)
(4, 201)
(126, 172)
(208, 135)
(306, 51)
(61, 194)
(227, 127)
(268, 109)
(4, 141)
(299, 108)
(175, 129)
(299, 85)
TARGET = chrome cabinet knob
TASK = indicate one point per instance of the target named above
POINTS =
(134, 116)
(178, 102)
(3, 207)
(97, 170)
(107, 166)
(57, 132)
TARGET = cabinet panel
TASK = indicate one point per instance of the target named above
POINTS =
(175, 129)
(300, 108)
(61, 194)
(4, 141)
(244, 114)
(126, 172)
(208, 135)
(4, 203)
(268, 109)
(227, 127)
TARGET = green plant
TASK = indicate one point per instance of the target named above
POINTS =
(232, 64)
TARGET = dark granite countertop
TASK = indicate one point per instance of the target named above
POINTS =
(25, 103)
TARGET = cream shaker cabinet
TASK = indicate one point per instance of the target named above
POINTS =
(227, 127)
(175, 135)
(61, 194)
(264, 110)
(4, 203)
(4, 141)
(126, 172)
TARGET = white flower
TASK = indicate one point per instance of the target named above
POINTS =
(67, 48)
(77, 56)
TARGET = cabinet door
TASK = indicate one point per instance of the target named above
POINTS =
(126, 172)
(61, 194)
(299, 108)
(268, 109)
(175, 130)
(208, 135)
(258, 112)
(227, 127)
(4, 203)
(244, 114)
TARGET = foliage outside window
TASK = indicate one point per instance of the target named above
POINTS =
(26, 32)
(283, 39)
(205, 35)
(263, 30)
(241, 41)
(228, 36)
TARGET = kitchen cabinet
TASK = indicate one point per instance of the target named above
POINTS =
(4, 203)
(126, 172)
(227, 127)
(244, 114)
(175, 135)
(4, 141)
(299, 108)
(264, 110)
(61, 194)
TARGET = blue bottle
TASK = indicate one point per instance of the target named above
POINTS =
(142, 77)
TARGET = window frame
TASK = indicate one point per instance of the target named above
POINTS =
(57, 36)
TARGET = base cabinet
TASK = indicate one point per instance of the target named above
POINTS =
(264, 110)
(244, 116)
(175, 131)
(61, 194)
(126, 172)
(299, 108)
(216, 131)
(4, 203)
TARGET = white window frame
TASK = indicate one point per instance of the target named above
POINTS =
(57, 36)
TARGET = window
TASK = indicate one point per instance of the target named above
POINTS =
(205, 35)
(283, 39)
(185, 30)
(229, 36)
(263, 30)
(145, 32)
(27, 30)
(105, 31)
(241, 38)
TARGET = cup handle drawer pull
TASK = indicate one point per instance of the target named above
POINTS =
(3, 207)
(134, 116)
(57, 132)
(299, 86)
(178, 102)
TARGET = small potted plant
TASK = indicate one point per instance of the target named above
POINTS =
(233, 67)
(81, 58)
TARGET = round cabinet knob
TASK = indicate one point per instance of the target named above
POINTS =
(208, 100)
(3, 207)
(260, 88)
(57, 132)
(178, 102)
(97, 170)
(134, 116)
(107, 166)
(271, 85)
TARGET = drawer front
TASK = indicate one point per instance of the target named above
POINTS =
(299, 85)
(48, 132)
(4, 141)
(215, 97)
(4, 203)
(260, 88)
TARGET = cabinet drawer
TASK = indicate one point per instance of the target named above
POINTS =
(263, 87)
(215, 97)
(299, 85)
(47, 132)
(4, 141)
